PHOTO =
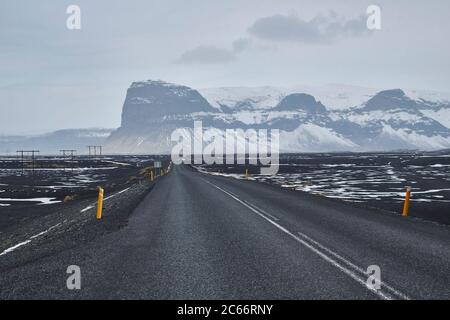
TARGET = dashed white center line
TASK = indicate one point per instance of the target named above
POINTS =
(261, 210)
(325, 253)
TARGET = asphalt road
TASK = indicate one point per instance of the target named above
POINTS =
(198, 236)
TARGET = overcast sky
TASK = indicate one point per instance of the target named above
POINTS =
(52, 77)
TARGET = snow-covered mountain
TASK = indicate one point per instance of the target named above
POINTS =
(333, 96)
(392, 120)
(328, 118)
(310, 119)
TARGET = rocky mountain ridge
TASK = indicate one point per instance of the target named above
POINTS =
(387, 120)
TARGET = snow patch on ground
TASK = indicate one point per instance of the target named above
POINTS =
(41, 201)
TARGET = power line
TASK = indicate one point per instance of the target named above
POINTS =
(94, 149)
(66, 153)
(22, 157)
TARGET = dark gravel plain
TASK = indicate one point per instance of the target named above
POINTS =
(50, 181)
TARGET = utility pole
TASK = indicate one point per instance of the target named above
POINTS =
(22, 157)
(94, 148)
(65, 153)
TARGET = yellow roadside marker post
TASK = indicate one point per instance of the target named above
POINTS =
(100, 203)
(246, 173)
(406, 205)
(151, 176)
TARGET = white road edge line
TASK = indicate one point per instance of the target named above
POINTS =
(87, 208)
(327, 258)
(117, 193)
(21, 244)
(91, 206)
(11, 249)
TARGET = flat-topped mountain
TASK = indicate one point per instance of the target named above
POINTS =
(149, 100)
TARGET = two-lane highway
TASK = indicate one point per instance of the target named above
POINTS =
(198, 236)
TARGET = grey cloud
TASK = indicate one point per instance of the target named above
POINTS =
(241, 44)
(321, 29)
(207, 55)
(212, 54)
